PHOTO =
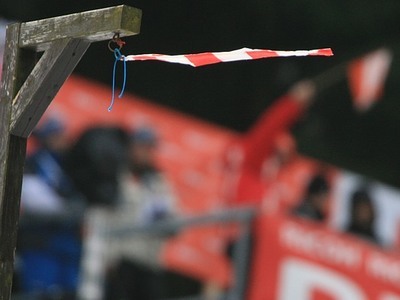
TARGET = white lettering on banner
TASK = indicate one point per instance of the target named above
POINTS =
(320, 245)
(383, 268)
(299, 279)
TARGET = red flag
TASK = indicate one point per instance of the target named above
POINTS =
(367, 76)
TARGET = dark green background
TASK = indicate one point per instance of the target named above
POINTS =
(234, 94)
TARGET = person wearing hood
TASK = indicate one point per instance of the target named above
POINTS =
(362, 216)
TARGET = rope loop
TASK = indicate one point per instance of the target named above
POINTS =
(118, 57)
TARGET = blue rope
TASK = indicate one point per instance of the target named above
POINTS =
(118, 56)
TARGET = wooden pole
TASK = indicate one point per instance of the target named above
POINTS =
(10, 183)
(28, 87)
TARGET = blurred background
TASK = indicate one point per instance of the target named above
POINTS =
(97, 184)
(233, 95)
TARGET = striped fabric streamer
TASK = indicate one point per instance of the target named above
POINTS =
(209, 58)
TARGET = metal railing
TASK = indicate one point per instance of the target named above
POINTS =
(241, 248)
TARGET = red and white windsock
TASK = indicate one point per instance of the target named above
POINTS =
(367, 77)
(208, 58)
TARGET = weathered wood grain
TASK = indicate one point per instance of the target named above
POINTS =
(7, 93)
(44, 82)
(10, 212)
(95, 25)
(10, 183)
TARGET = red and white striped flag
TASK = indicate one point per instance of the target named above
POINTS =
(367, 77)
(208, 58)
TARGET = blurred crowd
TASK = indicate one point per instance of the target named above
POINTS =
(74, 192)
(108, 172)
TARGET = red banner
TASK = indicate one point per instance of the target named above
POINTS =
(200, 253)
(189, 150)
(297, 259)
(196, 171)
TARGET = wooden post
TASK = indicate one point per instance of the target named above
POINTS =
(28, 87)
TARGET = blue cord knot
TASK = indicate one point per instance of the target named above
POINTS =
(118, 57)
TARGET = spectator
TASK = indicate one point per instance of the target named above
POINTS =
(143, 183)
(313, 206)
(362, 218)
(118, 174)
(49, 237)
(48, 161)
(256, 160)
(146, 198)
(95, 162)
